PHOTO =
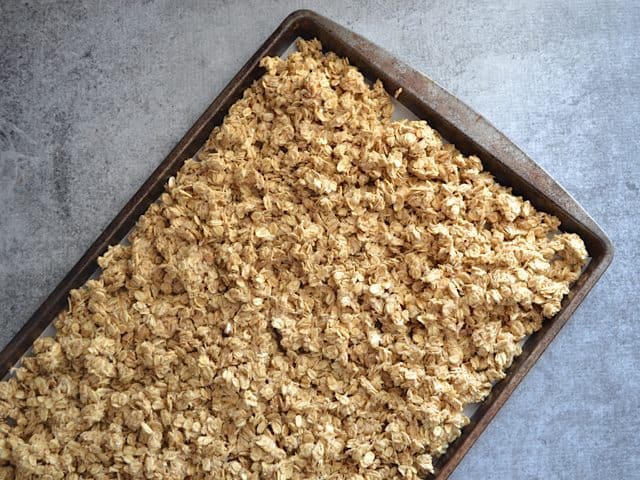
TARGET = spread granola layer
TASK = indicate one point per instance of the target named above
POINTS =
(317, 295)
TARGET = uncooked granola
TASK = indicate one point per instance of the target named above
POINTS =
(318, 294)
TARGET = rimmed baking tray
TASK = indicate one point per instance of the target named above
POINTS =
(457, 123)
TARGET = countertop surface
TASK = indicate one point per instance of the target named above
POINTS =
(93, 95)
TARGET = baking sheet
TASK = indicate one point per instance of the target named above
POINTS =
(471, 133)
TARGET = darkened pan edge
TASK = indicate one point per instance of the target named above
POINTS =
(458, 123)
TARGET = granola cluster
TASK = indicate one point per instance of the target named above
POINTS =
(317, 295)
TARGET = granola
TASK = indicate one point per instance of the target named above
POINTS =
(318, 294)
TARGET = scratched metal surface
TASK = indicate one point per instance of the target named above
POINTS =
(93, 96)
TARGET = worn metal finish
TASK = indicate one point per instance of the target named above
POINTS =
(459, 124)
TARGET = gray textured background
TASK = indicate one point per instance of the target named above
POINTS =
(93, 96)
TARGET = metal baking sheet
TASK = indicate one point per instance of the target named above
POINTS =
(421, 98)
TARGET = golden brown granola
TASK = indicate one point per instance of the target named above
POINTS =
(317, 295)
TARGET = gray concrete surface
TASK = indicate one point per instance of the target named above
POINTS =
(93, 95)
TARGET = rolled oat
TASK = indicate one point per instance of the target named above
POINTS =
(317, 295)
